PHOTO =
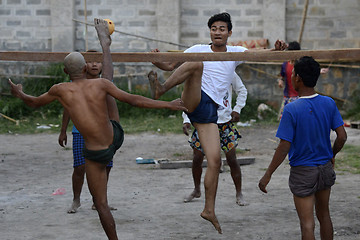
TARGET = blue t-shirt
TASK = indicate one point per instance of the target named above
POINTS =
(306, 123)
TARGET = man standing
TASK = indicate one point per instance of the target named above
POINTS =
(304, 133)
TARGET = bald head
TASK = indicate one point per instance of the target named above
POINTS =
(74, 63)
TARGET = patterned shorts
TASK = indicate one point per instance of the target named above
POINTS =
(78, 146)
(228, 137)
(286, 101)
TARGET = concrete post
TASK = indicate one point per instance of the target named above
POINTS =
(274, 20)
(168, 23)
(62, 26)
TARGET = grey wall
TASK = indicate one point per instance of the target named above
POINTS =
(47, 25)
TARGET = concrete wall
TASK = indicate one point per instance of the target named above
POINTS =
(47, 25)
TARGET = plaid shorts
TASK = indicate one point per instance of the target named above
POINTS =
(78, 146)
(228, 137)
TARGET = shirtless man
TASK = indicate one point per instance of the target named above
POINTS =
(93, 71)
(205, 85)
(85, 101)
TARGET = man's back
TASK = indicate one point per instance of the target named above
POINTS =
(307, 123)
(85, 100)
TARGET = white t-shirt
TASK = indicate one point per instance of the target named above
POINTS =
(217, 76)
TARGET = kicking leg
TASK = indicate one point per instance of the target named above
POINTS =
(323, 214)
(102, 30)
(305, 210)
(236, 175)
(196, 168)
(190, 73)
(97, 181)
(209, 139)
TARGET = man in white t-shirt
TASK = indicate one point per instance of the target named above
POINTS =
(229, 136)
(205, 85)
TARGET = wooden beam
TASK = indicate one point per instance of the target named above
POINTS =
(255, 56)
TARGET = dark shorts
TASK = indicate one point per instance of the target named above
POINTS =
(228, 137)
(106, 155)
(305, 181)
(78, 146)
(205, 112)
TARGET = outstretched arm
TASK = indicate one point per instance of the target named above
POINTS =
(141, 101)
(16, 91)
(281, 151)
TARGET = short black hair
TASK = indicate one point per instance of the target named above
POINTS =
(294, 46)
(224, 17)
(308, 69)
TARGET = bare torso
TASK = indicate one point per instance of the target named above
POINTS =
(85, 100)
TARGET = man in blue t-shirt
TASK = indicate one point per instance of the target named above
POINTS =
(304, 133)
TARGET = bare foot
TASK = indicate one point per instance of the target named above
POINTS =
(102, 29)
(74, 207)
(240, 200)
(111, 208)
(211, 218)
(156, 88)
(194, 194)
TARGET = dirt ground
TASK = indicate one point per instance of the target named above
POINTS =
(150, 200)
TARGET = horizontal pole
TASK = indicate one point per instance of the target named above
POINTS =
(255, 56)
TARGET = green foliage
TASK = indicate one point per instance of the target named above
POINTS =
(250, 110)
(33, 86)
(348, 159)
(353, 106)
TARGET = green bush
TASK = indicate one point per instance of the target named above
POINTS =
(17, 109)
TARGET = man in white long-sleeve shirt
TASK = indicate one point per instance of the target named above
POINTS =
(228, 140)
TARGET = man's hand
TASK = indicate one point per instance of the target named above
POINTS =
(62, 139)
(280, 83)
(235, 116)
(324, 70)
(16, 89)
(186, 128)
(264, 182)
(177, 104)
(280, 45)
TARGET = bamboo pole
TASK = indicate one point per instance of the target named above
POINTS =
(86, 27)
(303, 20)
(336, 55)
(10, 119)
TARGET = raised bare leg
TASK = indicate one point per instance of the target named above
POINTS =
(189, 73)
(102, 30)
(196, 168)
(97, 182)
(209, 139)
(236, 176)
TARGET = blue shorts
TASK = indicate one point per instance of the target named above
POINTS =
(78, 145)
(229, 136)
(205, 112)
